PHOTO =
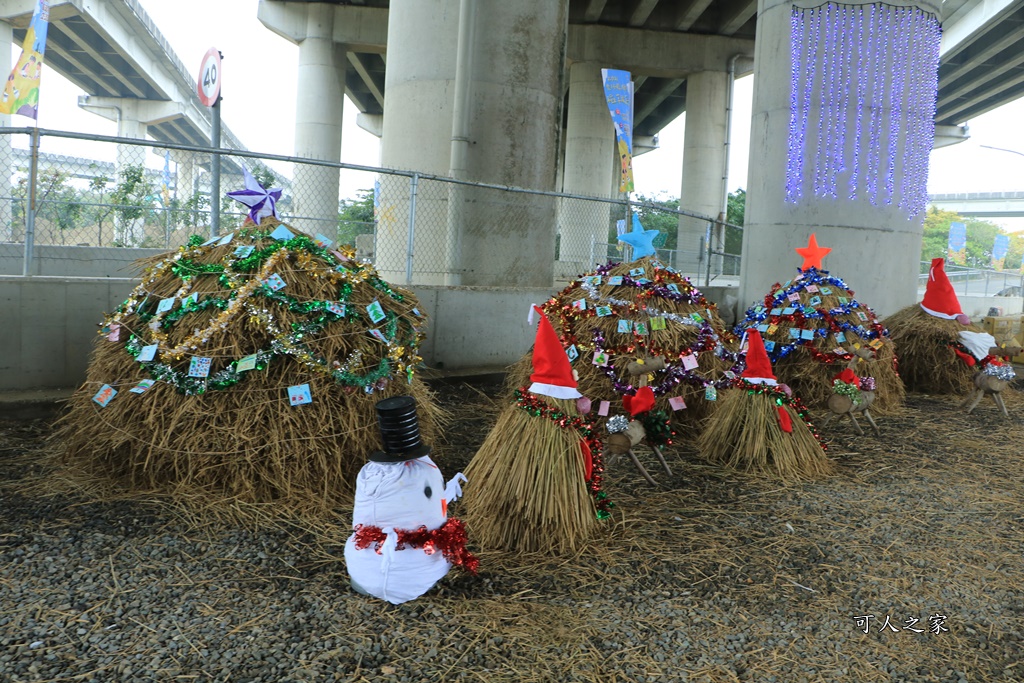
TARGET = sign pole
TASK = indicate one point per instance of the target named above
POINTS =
(208, 89)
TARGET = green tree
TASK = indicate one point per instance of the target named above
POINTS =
(133, 198)
(355, 217)
(736, 206)
(100, 207)
(58, 204)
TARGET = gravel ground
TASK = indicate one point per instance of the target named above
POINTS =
(710, 577)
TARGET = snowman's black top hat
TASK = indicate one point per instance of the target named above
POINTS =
(399, 430)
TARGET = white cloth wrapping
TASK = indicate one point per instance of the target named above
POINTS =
(978, 343)
(399, 496)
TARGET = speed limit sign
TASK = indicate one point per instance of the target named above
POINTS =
(209, 78)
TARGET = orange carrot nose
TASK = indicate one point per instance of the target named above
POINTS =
(444, 507)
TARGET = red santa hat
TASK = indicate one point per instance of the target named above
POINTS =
(939, 298)
(759, 367)
(552, 373)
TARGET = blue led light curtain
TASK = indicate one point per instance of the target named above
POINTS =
(862, 103)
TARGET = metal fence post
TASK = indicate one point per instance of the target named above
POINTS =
(413, 184)
(30, 208)
(707, 254)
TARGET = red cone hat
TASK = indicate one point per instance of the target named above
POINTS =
(552, 373)
(759, 367)
(939, 298)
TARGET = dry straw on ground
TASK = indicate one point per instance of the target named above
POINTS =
(811, 364)
(527, 490)
(692, 326)
(236, 435)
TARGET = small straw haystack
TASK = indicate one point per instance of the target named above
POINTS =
(761, 429)
(247, 368)
(811, 325)
(638, 310)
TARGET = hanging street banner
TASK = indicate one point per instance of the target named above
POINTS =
(999, 250)
(958, 243)
(21, 93)
(618, 91)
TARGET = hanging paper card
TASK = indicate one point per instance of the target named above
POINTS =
(677, 403)
(282, 233)
(226, 239)
(142, 386)
(794, 296)
(164, 306)
(275, 282)
(861, 315)
(636, 272)
(843, 300)
(710, 393)
(826, 291)
(376, 312)
(625, 326)
(807, 334)
(794, 333)
(210, 241)
(572, 353)
(104, 395)
(603, 311)
(191, 300)
(689, 361)
(417, 313)
(115, 332)
(323, 241)
(772, 328)
(147, 353)
(602, 408)
(243, 251)
(788, 310)
(811, 288)
(839, 351)
(643, 281)
(875, 343)
(336, 307)
(580, 304)
(658, 323)
(696, 317)
(246, 363)
(600, 358)
(815, 300)
(769, 346)
(199, 366)
(377, 334)
(840, 336)
(672, 287)
(299, 394)
(641, 328)
(778, 292)
(808, 310)
(592, 280)
(776, 311)
(762, 328)
(614, 280)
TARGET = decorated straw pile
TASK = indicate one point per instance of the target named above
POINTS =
(761, 429)
(535, 483)
(812, 324)
(641, 310)
(933, 356)
(247, 368)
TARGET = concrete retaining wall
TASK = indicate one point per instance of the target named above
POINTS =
(58, 261)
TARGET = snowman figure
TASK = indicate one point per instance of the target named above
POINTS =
(403, 540)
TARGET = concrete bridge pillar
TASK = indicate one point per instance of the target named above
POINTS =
(589, 158)
(876, 243)
(6, 159)
(704, 163)
(318, 112)
(185, 184)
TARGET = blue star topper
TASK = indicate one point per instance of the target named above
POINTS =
(261, 201)
(641, 240)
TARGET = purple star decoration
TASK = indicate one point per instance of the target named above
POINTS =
(261, 202)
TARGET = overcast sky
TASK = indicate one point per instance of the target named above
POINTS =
(259, 94)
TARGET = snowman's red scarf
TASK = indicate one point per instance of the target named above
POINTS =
(449, 538)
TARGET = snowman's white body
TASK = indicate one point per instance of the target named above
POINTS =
(399, 496)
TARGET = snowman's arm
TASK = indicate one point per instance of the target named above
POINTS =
(453, 489)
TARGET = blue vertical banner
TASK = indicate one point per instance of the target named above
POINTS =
(618, 91)
(999, 251)
(958, 243)
(165, 180)
(21, 93)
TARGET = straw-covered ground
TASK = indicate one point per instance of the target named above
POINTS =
(713, 577)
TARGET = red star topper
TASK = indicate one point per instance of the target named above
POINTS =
(812, 253)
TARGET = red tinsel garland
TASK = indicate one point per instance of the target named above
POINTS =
(449, 538)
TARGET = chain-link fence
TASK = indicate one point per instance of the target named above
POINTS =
(79, 204)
